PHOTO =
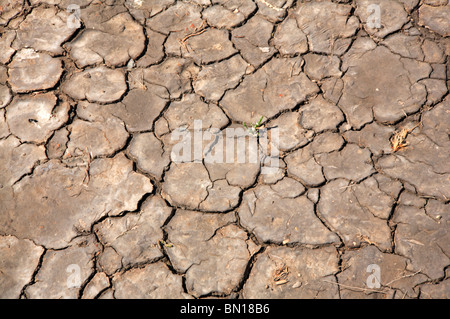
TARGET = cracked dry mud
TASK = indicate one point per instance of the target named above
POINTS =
(92, 205)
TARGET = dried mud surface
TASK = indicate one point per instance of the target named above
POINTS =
(93, 206)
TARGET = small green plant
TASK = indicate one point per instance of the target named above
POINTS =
(165, 244)
(254, 127)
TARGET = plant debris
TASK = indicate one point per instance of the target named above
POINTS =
(398, 138)
(197, 31)
(280, 275)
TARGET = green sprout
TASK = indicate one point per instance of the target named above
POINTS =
(254, 127)
(166, 244)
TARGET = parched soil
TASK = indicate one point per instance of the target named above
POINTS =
(93, 203)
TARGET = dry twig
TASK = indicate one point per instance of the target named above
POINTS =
(355, 288)
(197, 31)
(87, 166)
